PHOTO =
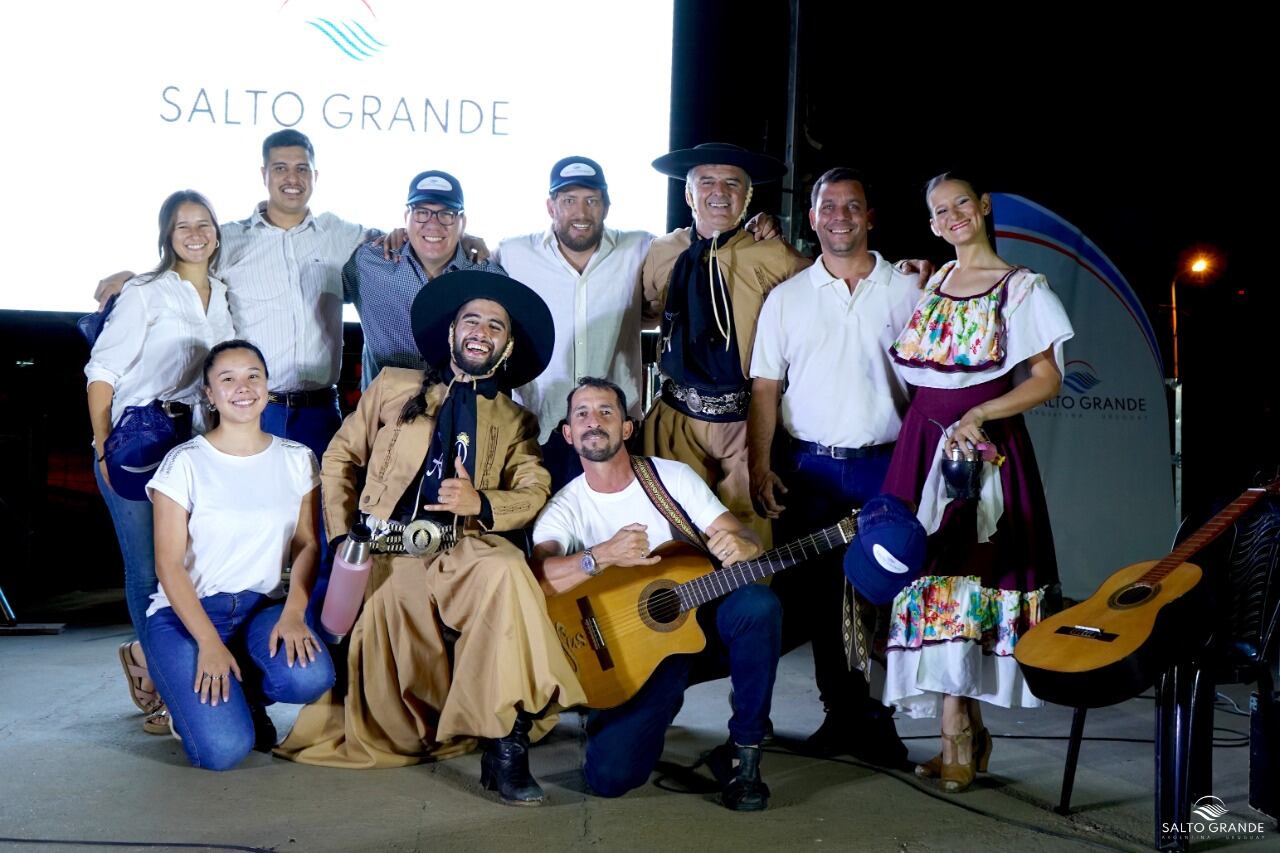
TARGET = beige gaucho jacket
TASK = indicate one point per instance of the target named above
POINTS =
(508, 461)
(752, 269)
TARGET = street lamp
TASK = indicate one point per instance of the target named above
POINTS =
(1198, 267)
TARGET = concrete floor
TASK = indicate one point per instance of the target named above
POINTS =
(77, 772)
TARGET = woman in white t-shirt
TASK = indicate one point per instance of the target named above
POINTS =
(233, 509)
(151, 348)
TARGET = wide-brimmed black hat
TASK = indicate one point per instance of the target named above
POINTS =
(437, 304)
(759, 167)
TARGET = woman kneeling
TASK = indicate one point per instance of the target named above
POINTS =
(233, 508)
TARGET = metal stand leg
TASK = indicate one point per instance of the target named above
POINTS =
(1073, 755)
(9, 623)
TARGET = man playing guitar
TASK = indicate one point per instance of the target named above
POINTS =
(606, 520)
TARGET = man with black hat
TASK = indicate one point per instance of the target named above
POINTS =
(706, 285)
(589, 276)
(382, 288)
(455, 645)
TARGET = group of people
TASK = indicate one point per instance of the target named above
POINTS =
(502, 400)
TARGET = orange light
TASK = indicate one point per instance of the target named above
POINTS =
(1200, 264)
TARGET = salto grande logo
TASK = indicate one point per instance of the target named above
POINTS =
(348, 35)
(1210, 818)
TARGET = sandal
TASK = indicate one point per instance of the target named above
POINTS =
(158, 721)
(137, 675)
(932, 769)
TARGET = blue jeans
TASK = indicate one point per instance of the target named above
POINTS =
(744, 633)
(219, 737)
(313, 426)
(821, 491)
(135, 533)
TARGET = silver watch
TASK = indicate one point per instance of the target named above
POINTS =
(588, 564)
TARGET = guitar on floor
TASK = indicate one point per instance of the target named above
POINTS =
(618, 626)
(1113, 645)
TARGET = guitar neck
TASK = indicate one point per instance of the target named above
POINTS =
(1202, 537)
(717, 584)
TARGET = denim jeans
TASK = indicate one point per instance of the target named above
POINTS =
(744, 632)
(134, 531)
(219, 737)
(821, 491)
(313, 426)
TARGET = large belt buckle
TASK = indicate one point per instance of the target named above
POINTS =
(424, 537)
(693, 400)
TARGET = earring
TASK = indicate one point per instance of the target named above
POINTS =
(212, 408)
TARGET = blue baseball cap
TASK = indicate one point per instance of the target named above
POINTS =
(888, 553)
(435, 187)
(579, 172)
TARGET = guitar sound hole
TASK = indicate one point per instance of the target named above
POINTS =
(1132, 595)
(663, 606)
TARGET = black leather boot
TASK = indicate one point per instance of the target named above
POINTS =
(738, 770)
(505, 766)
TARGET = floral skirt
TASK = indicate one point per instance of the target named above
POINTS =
(951, 635)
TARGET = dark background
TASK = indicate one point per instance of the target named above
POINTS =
(1147, 136)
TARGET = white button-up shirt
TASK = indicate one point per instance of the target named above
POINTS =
(832, 348)
(596, 313)
(285, 292)
(155, 341)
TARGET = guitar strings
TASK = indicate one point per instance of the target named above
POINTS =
(633, 621)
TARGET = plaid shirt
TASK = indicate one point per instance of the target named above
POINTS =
(382, 291)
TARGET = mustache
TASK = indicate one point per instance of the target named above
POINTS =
(597, 432)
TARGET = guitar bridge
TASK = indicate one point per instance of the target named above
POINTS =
(595, 638)
(1087, 632)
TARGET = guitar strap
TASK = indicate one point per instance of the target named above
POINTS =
(681, 525)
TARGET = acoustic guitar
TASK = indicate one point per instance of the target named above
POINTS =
(1113, 645)
(618, 626)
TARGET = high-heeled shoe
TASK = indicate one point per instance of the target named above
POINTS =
(982, 745)
(958, 776)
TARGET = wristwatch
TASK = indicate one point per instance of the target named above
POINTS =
(588, 564)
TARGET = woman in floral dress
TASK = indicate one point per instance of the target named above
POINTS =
(983, 346)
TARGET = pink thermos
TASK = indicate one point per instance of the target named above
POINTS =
(347, 583)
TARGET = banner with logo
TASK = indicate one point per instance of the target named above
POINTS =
(1103, 443)
(113, 106)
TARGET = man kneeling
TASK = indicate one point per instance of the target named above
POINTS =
(606, 520)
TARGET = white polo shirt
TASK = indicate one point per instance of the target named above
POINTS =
(832, 349)
(596, 313)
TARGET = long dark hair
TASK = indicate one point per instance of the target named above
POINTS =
(417, 404)
(169, 222)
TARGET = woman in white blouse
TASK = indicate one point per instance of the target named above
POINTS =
(152, 348)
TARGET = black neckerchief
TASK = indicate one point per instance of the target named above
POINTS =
(454, 436)
(694, 351)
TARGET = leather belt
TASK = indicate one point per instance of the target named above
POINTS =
(733, 403)
(844, 452)
(304, 399)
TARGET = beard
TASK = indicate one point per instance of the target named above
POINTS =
(575, 242)
(464, 360)
(598, 453)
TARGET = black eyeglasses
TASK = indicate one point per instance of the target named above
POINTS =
(446, 217)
